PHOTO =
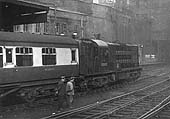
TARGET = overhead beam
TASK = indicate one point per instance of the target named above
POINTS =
(27, 4)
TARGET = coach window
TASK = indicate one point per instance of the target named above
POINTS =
(49, 56)
(24, 56)
(73, 55)
(1, 57)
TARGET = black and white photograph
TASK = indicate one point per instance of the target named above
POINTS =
(84, 59)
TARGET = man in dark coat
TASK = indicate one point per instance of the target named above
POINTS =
(61, 93)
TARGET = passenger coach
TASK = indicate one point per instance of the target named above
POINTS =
(35, 62)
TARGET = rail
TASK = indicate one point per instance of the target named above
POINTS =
(107, 107)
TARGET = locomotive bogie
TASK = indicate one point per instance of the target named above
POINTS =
(101, 81)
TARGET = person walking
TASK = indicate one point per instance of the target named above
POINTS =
(70, 92)
(61, 93)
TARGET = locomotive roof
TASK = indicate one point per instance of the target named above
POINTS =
(35, 38)
(100, 43)
(113, 43)
(131, 45)
(122, 44)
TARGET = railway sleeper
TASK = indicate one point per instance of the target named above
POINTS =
(78, 116)
(5, 93)
(90, 113)
(93, 111)
(127, 112)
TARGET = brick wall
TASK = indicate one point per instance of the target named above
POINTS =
(87, 20)
(102, 22)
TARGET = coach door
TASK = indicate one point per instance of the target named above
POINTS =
(9, 57)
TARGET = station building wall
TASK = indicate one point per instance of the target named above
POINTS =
(102, 22)
(85, 18)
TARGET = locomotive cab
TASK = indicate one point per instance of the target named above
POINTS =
(101, 56)
(94, 56)
(94, 59)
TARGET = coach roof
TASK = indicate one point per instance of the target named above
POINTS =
(35, 38)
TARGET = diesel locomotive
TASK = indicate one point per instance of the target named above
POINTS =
(31, 64)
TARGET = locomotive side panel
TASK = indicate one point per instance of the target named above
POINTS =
(101, 55)
(94, 57)
(135, 56)
(94, 63)
(87, 57)
(104, 59)
(112, 56)
(127, 61)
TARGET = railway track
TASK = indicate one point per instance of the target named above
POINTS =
(161, 111)
(137, 108)
(130, 105)
(40, 105)
(52, 102)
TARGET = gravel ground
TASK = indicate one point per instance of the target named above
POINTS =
(48, 109)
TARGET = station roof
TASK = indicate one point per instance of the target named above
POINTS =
(22, 12)
(35, 6)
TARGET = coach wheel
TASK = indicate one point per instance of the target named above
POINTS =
(30, 97)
